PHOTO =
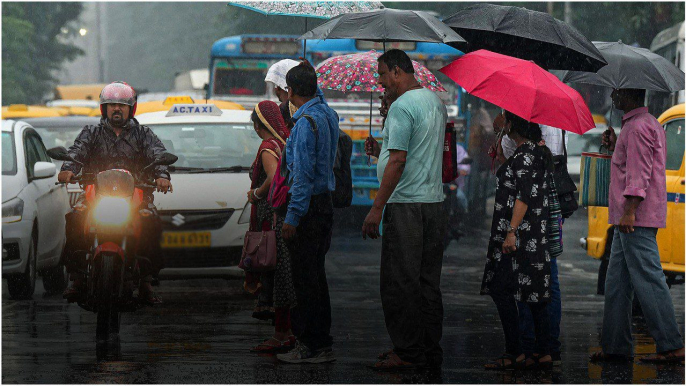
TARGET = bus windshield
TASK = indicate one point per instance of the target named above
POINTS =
(240, 77)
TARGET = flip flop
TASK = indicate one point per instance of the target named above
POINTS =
(499, 363)
(393, 363)
(151, 300)
(266, 347)
(663, 358)
(384, 355)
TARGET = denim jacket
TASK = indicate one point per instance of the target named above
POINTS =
(311, 170)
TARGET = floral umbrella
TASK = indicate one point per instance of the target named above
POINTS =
(359, 72)
(317, 9)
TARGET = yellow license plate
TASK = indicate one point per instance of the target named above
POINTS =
(186, 239)
(372, 194)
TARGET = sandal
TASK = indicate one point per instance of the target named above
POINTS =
(279, 346)
(150, 300)
(393, 363)
(384, 355)
(600, 356)
(499, 363)
(669, 357)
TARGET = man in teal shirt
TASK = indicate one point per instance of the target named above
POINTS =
(411, 200)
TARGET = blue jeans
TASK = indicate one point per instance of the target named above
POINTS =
(526, 321)
(635, 267)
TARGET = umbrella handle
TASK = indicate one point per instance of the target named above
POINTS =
(371, 101)
(305, 41)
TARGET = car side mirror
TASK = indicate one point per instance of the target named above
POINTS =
(44, 170)
(60, 153)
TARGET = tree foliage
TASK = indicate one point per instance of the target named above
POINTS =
(34, 46)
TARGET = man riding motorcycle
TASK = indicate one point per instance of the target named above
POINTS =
(117, 142)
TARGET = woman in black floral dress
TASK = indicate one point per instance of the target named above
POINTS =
(518, 262)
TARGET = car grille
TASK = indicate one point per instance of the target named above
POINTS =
(10, 251)
(202, 257)
(194, 219)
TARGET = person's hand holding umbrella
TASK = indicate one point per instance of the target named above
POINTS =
(609, 139)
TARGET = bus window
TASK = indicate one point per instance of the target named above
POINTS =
(239, 82)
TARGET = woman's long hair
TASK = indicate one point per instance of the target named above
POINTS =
(531, 131)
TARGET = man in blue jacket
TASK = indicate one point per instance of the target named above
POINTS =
(310, 156)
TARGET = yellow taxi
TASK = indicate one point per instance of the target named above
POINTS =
(19, 111)
(671, 239)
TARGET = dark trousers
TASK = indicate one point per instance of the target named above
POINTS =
(411, 262)
(311, 317)
(526, 323)
(148, 246)
(502, 290)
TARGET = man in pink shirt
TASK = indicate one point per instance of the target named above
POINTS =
(638, 207)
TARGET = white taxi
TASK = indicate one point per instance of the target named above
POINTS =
(206, 217)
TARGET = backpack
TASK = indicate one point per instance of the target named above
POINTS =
(342, 197)
(343, 194)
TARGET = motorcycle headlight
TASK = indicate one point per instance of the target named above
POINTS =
(12, 210)
(245, 216)
(112, 211)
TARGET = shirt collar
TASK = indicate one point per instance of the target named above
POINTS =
(633, 113)
(304, 107)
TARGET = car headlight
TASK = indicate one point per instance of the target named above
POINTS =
(112, 211)
(12, 210)
(245, 216)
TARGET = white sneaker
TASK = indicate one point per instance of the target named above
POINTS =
(302, 354)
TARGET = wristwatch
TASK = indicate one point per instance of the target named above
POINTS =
(510, 229)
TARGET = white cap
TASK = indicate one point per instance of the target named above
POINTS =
(277, 72)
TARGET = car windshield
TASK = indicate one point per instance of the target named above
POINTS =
(9, 159)
(583, 143)
(58, 136)
(209, 145)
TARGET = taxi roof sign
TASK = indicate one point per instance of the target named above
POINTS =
(180, 110)
(180, 99)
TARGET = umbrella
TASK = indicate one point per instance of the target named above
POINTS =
(523, 88)
(386, 25)
(630, 67)
(316, 9)
(359, 73)
(525, 34)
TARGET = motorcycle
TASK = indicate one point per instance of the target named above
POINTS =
(113, 228)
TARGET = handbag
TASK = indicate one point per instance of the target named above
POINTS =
(259, 251)
(449, 154)
(595, 179)
(564, 183)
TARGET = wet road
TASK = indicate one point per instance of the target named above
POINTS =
(204, 330)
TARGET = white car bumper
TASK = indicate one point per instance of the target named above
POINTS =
(16, 237)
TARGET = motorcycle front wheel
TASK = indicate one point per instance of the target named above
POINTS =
(106, 291)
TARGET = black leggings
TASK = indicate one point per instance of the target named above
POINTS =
(509, 317)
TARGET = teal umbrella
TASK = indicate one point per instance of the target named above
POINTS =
(316, 9)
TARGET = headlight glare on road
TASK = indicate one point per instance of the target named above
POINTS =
(12, 210)
(112, 211)
(245, 216)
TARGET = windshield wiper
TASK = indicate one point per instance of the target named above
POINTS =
(184, 168)
(232, 169)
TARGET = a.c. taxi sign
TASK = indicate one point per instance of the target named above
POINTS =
(194, 109)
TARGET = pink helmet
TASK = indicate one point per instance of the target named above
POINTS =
(118, 92)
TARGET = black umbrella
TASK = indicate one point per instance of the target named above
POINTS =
(630, 67)
(525, 34)
(386, 25)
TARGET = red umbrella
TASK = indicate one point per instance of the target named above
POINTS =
(523, 88)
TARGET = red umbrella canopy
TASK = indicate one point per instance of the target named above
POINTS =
(359, 72)
(523, 88)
